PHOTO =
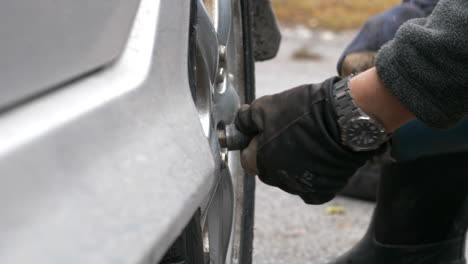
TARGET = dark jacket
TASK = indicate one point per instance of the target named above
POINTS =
(425, 5)
(381, 28)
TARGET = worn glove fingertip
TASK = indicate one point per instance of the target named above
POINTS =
(244, 121)
(249, 157)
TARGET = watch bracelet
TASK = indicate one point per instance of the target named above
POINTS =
(345, 107)
(344, 103)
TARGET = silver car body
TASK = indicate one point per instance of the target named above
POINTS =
(110, 166)
(45, 43)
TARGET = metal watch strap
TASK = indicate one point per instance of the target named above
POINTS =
(344, 103)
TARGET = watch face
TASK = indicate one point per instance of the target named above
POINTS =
(363, 133)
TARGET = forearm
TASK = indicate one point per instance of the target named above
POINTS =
(371, 95)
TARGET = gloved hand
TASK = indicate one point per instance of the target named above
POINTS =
(297, 144)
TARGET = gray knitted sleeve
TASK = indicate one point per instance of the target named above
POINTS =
(426, 65)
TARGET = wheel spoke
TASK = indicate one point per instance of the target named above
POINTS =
(219, 93)
(221, 14)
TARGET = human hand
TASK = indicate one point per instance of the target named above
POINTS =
(297, 143)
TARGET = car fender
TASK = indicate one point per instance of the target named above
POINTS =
(108, 168)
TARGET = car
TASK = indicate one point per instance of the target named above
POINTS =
(109, 124)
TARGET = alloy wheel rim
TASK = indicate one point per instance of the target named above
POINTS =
(219, 93)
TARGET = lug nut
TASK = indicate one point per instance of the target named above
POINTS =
(220, 75)
(222, 55)
(221, 64)
(232, 139)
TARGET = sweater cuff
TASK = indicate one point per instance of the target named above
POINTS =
(392, 70)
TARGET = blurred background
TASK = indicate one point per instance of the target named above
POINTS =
(315, 32)
(329, 14)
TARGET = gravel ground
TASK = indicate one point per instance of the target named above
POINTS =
(286, 229)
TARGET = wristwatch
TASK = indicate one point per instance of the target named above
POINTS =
(359, 130)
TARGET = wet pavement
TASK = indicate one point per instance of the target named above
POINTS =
(286, 229)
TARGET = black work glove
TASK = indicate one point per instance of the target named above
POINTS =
(297, 144)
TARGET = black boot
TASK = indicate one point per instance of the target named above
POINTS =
(421, 215)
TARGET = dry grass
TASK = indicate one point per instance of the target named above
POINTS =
(329, 14)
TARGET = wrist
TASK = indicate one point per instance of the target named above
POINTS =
(370, 94)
